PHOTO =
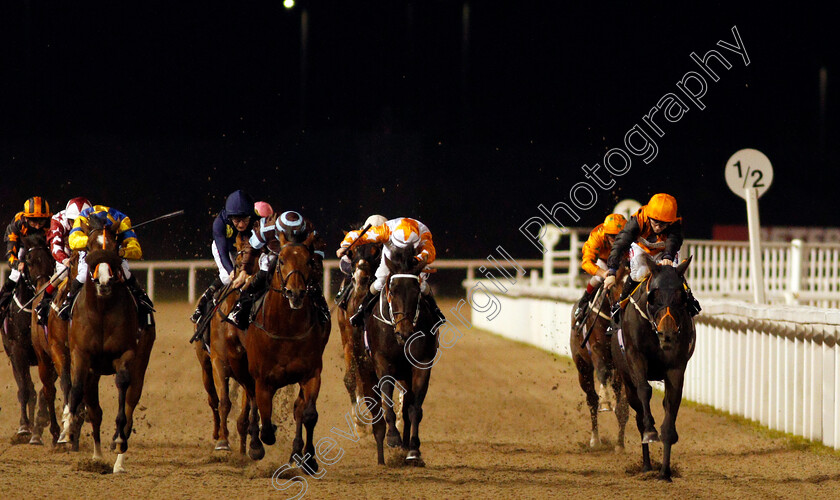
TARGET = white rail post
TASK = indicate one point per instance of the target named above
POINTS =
(757, 280)
(470, 272)
(549, 237)
(574, 245)
(795, 272)
(150, 282)
(191, 284)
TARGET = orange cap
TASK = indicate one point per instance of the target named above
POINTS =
(662, 207)
(614, 223)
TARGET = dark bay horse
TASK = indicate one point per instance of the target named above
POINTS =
(105, 339)
(285, 345)
(656, 341)
(17, 330)
(594, 361)
(226, 359)
(402, 336)
(365, 259)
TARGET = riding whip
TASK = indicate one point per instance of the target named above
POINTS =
(162, 217)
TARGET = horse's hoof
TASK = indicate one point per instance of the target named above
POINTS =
(605, 407)
(267, 435)
(222, 445)
(24, 431)
(118, 465)
(36, 440)
(394, 440)
(593, 442)
(62, 438)
(256, 453)
(650, 437)
(413, 458)
(664, 477)
(311, 466)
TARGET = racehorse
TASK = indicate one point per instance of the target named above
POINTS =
(17, 330)
(105, 339)
(365, 258)
(655, 343)
(285, 345)
(594, 359)
(53, 353)
(402, 337)
(226, 359)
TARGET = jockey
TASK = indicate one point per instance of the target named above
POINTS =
(60, 226)
(400, 232)
(656, 230)
(295, 229)
(232, 221)
(345, 265)
(129, 249)
(596, 251)
(32, 220)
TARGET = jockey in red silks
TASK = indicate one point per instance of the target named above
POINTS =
(57, 239)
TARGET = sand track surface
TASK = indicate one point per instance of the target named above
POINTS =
(502, 420)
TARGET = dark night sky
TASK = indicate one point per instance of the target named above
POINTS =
(154, 106)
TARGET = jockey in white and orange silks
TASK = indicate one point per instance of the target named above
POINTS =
(400, 232)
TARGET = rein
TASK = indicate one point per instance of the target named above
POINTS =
(285, 292)
(391, 314)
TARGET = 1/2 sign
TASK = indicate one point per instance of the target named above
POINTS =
(749, 168)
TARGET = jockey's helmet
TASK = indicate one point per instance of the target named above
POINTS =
(662, 207)
(263, 208)
(75, 207)
(375, 220)
(239, 204)
(291, 224)
(614, 223)
(36, 208)
(406, 233)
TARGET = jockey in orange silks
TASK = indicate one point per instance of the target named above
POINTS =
(595, 252)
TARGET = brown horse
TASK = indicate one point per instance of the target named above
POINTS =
(226, 359)
(365, 259)
(285, 345)
(105, 339)
(655, 343)
(594, 360)
(17, 332)
(402, 335)
(53, 353)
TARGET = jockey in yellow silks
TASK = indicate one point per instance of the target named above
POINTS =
(129, 248)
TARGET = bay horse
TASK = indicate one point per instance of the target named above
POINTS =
(285, 345)
(105, 339)
(594, 361)
(40, 264)
(17, 331)
(402, 337)
(227, 358)
(655, 342)
(365, 258)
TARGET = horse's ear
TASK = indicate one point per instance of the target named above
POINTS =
(684, 265)
(281, 237)
(310, 239)
(390, 265)
(418, 268)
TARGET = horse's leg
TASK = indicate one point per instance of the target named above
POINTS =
(408, 400)
(419, 386)
(310, 391)
(20, 368)
(358, 423)
(256, 450)
(221, 387)
(46, 407)
(587, 383)
(602, 374)
(265, 395)
(61, 360)
(387, 396)
(635, 402)
(210, 388)
(242, 420)
(136, 368)
(622, 410)
(94, 412)
(297, 443)
(671, 403)
(80, 368)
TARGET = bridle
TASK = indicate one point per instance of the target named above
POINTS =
(283, 290)
(395, 314)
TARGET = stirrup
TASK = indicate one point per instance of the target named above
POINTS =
(196, 316)
(238, 316)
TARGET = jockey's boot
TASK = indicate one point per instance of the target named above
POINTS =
(343, 295)
(202, 302)
(320, 303)
(439, 317)
(67, 305)
(693, 304)
(43, 307)
(582, 303)
(242, 309)
(358, 319)
(145, 307)
(6, 293)
(615, 324)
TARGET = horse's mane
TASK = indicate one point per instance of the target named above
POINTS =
(37, 239)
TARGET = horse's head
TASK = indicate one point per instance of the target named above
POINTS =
(403, 289)
(100, 236)
(666, 303)
(103, 260)
(365, 259)
(294, 269)
(38, 260)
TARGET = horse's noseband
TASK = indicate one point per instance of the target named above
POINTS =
(391, 310)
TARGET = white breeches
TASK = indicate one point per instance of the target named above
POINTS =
(638, 267)
(81, 276)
